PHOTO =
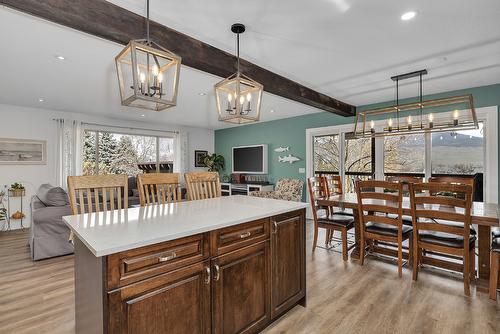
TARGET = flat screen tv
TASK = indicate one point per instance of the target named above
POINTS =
(250, 159)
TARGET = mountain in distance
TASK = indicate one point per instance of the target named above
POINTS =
(461, 140)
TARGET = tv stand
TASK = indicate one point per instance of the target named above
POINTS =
(229, 189)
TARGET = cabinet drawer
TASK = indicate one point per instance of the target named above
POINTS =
(137, 264)
(234, 237)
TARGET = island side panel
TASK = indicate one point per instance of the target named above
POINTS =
(90, 300)
(288, 262)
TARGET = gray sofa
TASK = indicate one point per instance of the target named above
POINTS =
(48, 233)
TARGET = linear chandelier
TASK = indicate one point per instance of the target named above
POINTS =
(148, 74)
(238, 97)
(417, 117)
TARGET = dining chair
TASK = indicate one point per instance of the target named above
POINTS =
(324, 219)
(454, 180)
(159, 188)
(333, 184)
(94, 193)
(494, 263)
(381, 216)
(202, 185)
(405, 181)
(441, 224)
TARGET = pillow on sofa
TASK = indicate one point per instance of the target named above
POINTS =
(52, 196)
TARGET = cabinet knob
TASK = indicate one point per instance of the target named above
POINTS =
(217, 272)
(207, 279)
(168, 257)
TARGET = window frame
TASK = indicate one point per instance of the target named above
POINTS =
(130, 132)
(487, 115)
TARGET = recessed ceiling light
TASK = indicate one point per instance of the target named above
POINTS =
(60, 57)
(202, 94)
(272, 110)
(41, 100)
(408, 15)
(142, 115)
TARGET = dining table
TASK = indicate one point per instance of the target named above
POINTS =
(484, 215)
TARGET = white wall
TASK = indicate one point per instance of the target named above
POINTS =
(34, 123)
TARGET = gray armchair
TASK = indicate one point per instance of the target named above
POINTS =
(49, 235)
(286, 189)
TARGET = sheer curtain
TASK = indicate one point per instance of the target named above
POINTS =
(181, 154)
(68, 150)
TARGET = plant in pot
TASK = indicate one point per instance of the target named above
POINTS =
(16, 189)
(214, 162)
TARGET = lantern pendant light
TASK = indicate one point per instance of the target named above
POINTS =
(148, 74)
(417, 117)
(238, 97)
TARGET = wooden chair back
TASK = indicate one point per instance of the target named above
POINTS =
(159, 188)
(202, 185)
(405, 180)
(429, 206)
(333, 184)
(94, 193)
(380, 202)
(316, 186)
(454, 180)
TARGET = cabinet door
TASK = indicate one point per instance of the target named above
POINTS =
(240, 290)
(175, 302)
(287, 261)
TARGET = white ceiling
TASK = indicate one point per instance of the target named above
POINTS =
(347, 49)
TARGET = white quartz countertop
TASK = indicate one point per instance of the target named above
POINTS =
(111, 232)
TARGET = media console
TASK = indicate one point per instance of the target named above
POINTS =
(229, 189)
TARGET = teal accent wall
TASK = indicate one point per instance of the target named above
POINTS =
(292, 131)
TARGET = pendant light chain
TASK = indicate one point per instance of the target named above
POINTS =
(238, 51)
(421, 101)
(397, 101)
(147, 23)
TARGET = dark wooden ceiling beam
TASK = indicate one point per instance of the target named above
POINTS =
(111, 22)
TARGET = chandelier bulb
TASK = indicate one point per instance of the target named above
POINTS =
(155, 70)
(249, 97)
(142, 77)
(230, 97)
(160, 77)
(242, 99)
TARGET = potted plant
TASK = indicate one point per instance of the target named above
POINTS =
(214, 162)
(16, 190)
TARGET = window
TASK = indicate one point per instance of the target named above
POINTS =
(467, 153)
(359, 159)
(404, 154)
(326, 154)
(116, 153)
(459, 153)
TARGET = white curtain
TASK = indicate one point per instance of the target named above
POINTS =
(181, 164)
(68, 150)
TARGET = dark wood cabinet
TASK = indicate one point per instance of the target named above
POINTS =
(287, 261)
(240, 290)
(231, 280)
(176, 302)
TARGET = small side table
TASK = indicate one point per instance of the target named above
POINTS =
(15, 193)
(4, 216)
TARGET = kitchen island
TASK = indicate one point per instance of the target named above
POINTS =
(224, 265)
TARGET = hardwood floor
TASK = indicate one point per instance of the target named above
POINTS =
(37, 297)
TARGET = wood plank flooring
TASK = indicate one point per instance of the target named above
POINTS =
(38, 297)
